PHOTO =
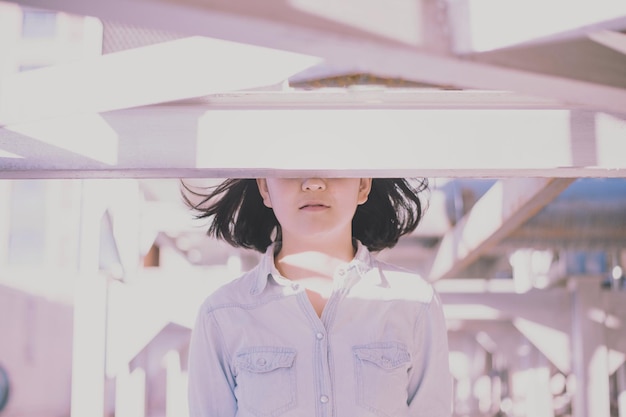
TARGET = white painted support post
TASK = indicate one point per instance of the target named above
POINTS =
(539, 398)
(5, 221)
(130, 393)
(621, 390)
(90, 309)
(125, 210)
(88, 349)
(176, 387)
(590, 353)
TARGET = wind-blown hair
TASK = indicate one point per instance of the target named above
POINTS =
(238, 216)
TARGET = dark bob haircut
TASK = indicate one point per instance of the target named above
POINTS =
(238, 216)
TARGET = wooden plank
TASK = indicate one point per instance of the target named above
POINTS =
(506, 206)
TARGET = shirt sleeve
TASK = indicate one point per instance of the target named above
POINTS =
(430, 385)
(211, 383)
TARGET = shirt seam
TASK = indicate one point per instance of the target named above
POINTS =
(246, 306)
(424, 309)
(222, 339)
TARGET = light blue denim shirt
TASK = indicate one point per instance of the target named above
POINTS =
(380, 349)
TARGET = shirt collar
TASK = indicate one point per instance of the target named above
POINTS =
(362, 262)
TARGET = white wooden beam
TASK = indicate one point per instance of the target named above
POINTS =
(485, 25)
(552, 319)
(610, 39)
(540, 315)
(382, 133)
(468, 74)
(506, 206)
(542, 306)
(342, 45)
(423, 135)
(399, 21)
(552, 339)
(579, 59)
(175, 70)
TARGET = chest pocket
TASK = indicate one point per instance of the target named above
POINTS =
(266, 380)
(382, 377)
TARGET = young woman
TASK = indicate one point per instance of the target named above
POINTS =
(319, 327)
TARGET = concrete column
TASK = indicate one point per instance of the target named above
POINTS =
(590, 353)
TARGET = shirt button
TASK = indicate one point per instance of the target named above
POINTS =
(261, 362)
(342, 272)
(319, 336)
(323, 399)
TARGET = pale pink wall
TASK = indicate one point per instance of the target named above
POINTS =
(36, 351)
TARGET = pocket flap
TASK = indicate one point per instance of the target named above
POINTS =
(384, 355)
(265, 359)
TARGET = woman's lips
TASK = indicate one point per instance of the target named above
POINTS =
(313, 206)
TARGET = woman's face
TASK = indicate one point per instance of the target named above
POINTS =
(314, 207)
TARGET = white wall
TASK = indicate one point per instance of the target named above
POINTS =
(36, 352)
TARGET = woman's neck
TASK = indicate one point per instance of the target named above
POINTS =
(307, 260)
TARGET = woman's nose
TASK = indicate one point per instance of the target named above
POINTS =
(313, 184)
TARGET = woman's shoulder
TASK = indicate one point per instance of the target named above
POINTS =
(234, 293)
(403, 282)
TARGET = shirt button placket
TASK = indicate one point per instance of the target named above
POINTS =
(323, 398)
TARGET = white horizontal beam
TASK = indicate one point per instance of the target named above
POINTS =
(283, 26)
(610, 39)
(505, 207)
(170, 71)
(544, 306)
(485, 25)
(399, 21)
(346, 133)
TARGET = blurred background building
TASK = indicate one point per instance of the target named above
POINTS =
(100, 279)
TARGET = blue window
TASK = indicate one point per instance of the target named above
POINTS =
(39, 24)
